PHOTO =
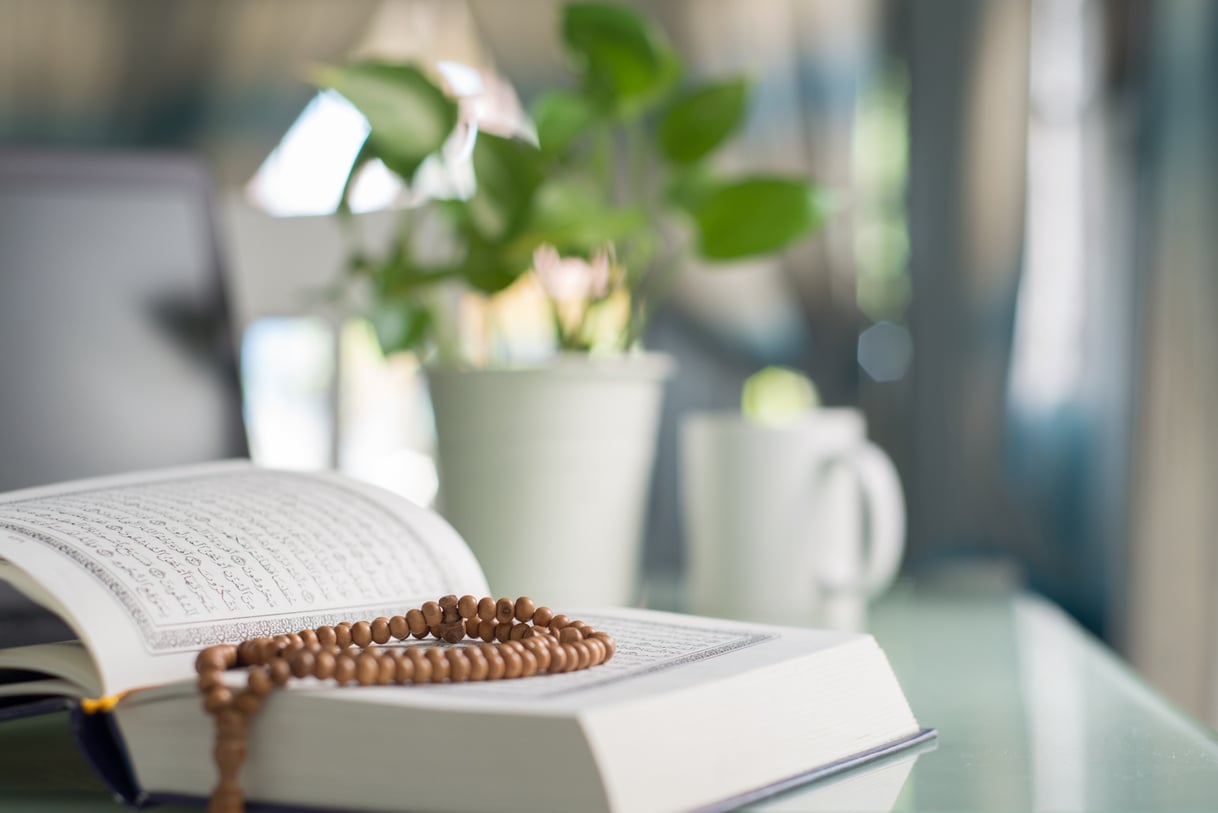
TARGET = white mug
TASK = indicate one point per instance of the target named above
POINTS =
(799, 524)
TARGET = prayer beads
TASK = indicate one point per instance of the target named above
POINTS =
(515, 639)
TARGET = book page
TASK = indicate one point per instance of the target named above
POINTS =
(645, 645)
(149, 571)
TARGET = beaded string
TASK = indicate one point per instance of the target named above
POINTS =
(518, 639)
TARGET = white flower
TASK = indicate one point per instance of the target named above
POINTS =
(571, 278)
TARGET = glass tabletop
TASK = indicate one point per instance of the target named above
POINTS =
(1032, 714)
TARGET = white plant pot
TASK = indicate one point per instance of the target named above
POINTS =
(546, 471)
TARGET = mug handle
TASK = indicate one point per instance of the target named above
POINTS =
(884, 512)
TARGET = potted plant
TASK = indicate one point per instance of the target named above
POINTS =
(591, 207)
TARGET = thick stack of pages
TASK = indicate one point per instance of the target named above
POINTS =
(690, 713)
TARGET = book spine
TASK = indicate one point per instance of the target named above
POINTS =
(99, 740)
(44, 705)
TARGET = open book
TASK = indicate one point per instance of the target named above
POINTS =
(690, 713)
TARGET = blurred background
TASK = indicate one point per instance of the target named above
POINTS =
(1014, 286)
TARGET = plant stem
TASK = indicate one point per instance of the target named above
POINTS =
(662, 277)
(604, 160)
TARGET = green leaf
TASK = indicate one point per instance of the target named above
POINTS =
(400, 325)
(756, 216)
(572, 215)
(508, 173)
(561, 118)
(700, 122)
(489, 267)
(688, 185)
(624, 59)
(400, 277)
(410, 117)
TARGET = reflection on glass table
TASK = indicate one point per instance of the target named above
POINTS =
(1032, 714)
(1035, 714)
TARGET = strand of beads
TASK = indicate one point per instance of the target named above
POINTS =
(519, 639)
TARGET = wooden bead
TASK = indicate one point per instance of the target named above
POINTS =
(416, 622)
(512, 664)
(494, 664)
(432, 613)
(570, 657)
(542, 616)
(323, 665)
(389, 668)
(448, 607)
(468, 607)
(248, 703)
(344, 669)
(361, 634)
(486, 608)
(607, 640)
(231, 723)
(518, 631)
(486, 630)
(229, 753)
(558, 622)
(439, 664)
(342, 635)
(265, 650)
(281, 673)
(503, 631)
(209, 680)
(403, 669)
(577, 656)
(302, 663)
(247, 652)
(259, 681)
(398, 627)
(472, 626)
(585, 654)
(367, 668)
(379, 629)
(309, 638)
(478, 666)
(558, 660)
(529, 663)
(215, 659)
(422, 666)
(525, 608)
(326, 637)
(541, 653)
(597, 650)
(504, 610)
(217, 699)
(294, 640)
(226, 798)
(458, 665)
(569, 635)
